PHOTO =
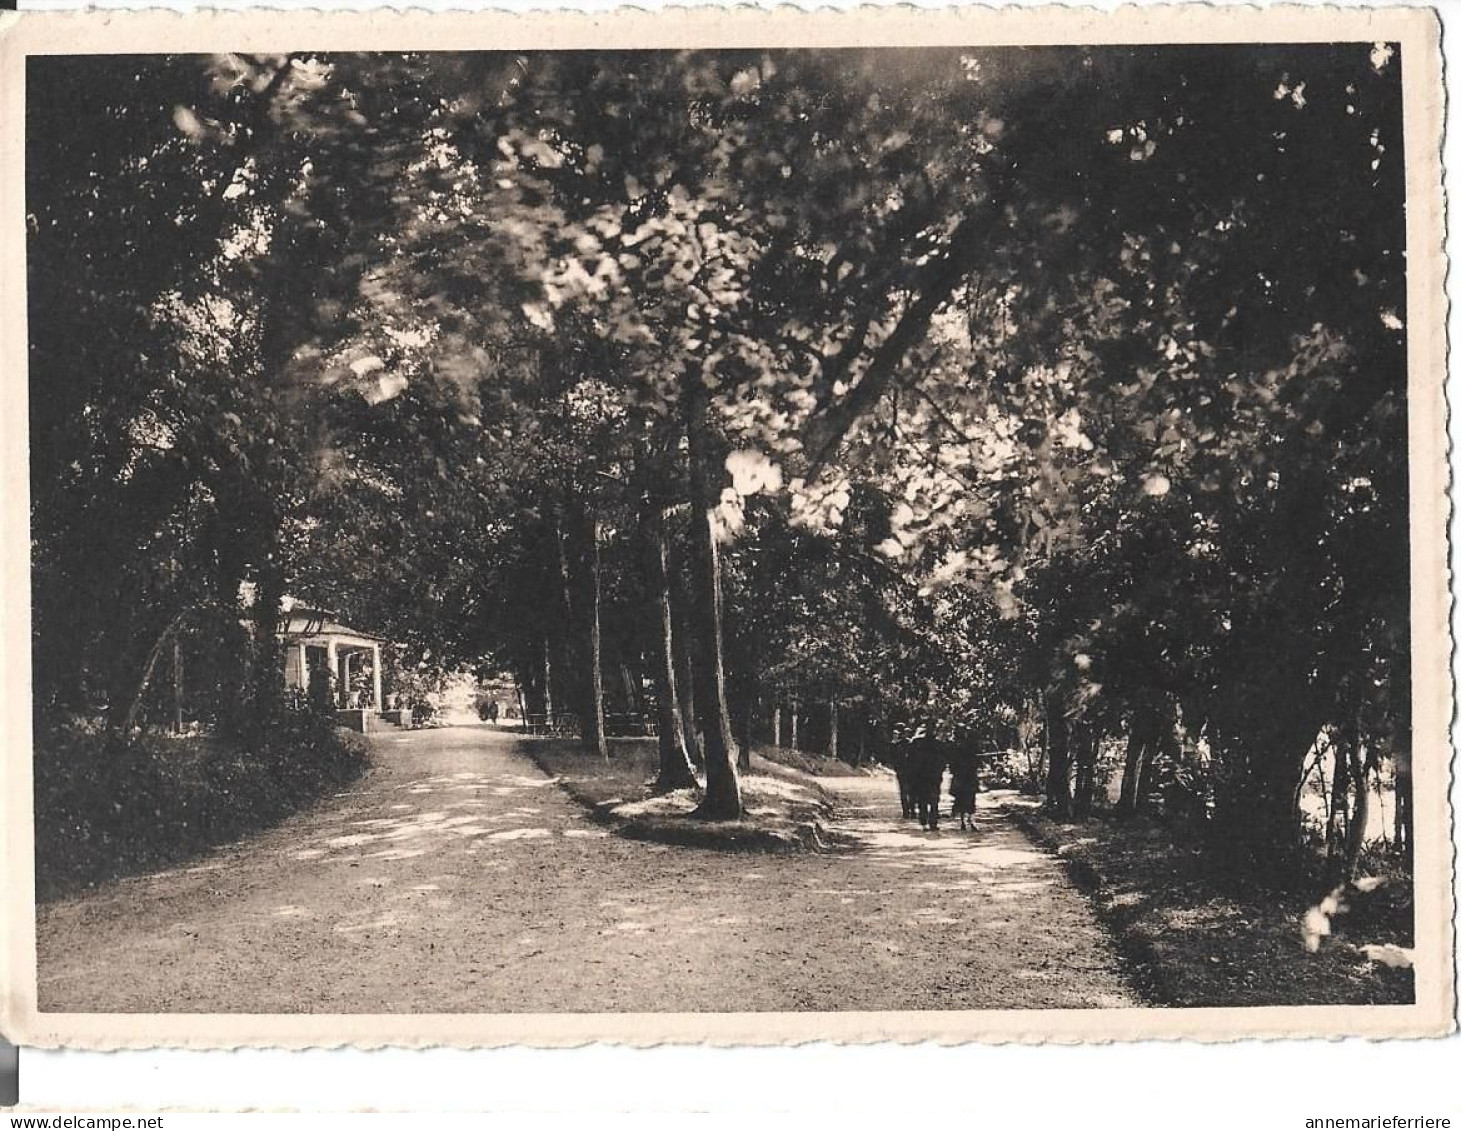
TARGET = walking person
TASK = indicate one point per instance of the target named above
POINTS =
(964, 785)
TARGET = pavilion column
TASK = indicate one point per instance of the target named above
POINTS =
(304, 668)
(380, 704)
(334, 656)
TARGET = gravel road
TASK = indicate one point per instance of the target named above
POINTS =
(456, 877)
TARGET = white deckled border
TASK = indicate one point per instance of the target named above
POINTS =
(101, 32)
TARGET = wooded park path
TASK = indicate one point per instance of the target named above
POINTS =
(456, 877)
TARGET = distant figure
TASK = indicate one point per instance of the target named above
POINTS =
(964, 784)
(926, 769)
(918, 761)
(492, 712)
(904, 735)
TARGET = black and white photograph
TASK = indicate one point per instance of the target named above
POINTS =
(534, 535)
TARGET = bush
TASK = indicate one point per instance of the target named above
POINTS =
(101, 814)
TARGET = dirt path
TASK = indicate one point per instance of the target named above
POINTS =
(456, 878)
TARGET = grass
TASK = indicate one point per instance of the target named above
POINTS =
(817, 764)
(101, 815)
(785, 811)
(1193, 942)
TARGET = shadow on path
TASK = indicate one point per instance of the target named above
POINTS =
(455, 877)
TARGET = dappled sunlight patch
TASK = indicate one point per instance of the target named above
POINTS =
(292, 911)
(1023, 887)
(397, 853)
(759, 786)
(1188, 918)
(308, 853)
(1388, 954)
(679, 802)
(350, 840)
(458, 822)
(517, 781)
(387, 920)
(585, 833)
(519, 834)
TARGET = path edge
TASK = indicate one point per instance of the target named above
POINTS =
(1140, 962)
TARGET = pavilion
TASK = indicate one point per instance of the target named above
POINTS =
(314, 640)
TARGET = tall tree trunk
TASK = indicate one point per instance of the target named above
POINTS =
(1088, 748)
(675, 768)
(1057, 768)
(547, 681)
(776, 720)
(1140, 748)
(722, 783)
(832, 728)
(685, 682)
(1336, 826)
(743, 716)
(1267, 742)
(1166, 747)
(1360, 814)
(268, 665)
(571, 654)
(630, 682)
(587, 634)
(522, 699)
(123, 726)
(1404, 801)
(793, 715)
(177, 684)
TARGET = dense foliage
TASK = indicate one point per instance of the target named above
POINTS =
(1053, 397)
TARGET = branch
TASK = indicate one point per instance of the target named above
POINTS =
(937, 281)
(944, 418)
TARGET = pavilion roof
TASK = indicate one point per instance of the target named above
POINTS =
(302, 621)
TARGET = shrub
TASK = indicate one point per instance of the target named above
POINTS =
(103, 813)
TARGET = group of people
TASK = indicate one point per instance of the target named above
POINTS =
(919, 759)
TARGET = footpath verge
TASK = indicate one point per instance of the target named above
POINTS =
(785, 809)
(1187, 942)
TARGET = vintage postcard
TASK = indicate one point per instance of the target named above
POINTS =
(722, 526)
